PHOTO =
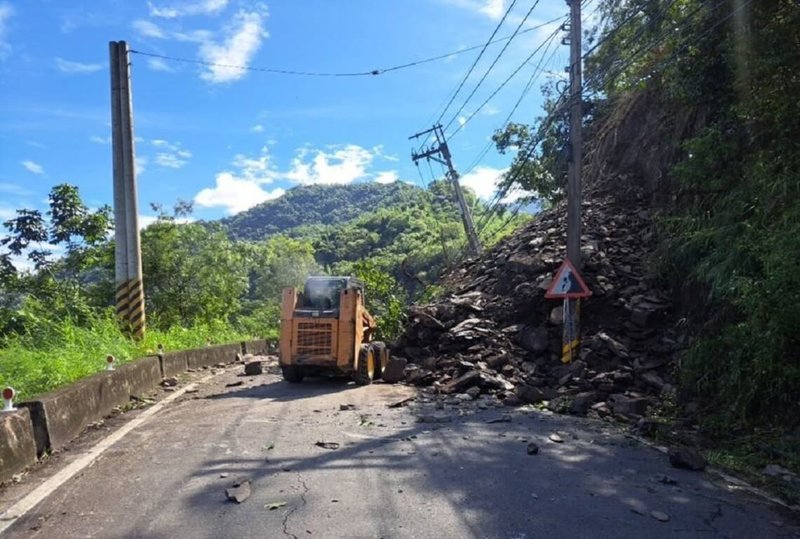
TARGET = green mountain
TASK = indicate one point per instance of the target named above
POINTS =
(321, 205)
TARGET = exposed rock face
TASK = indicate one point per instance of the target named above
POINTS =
(495, 333)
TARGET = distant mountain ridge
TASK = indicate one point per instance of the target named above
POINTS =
(311, 205)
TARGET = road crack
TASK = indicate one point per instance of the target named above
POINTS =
(295, 508)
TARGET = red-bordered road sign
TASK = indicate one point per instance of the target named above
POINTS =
(567, 283)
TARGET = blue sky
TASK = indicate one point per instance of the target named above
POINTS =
(231, 138)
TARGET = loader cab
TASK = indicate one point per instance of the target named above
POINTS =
(321, 296)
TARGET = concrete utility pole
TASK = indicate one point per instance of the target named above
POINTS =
(441, 148)
(575, 138)
(572, 307)
(128, 254)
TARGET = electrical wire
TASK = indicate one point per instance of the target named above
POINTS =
(363, 73)
(494, 63)
(497, 90)
(475, 63)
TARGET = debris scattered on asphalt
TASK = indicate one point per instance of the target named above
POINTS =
(239, 492)
(235, 384)
(505, 418)
(223, 475)
(192, 390)
(556, 438)
(346, 407)
(400, 403)
(328, 445)
(533, 449)
(659, 516)
(253, 368)
(665, 479)
(687, 458)
(434, 418)
(274, 505)
(268, 447)
(169, 382)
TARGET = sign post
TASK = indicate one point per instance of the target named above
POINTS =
(568, 285)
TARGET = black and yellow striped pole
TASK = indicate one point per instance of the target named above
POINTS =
(129, 292)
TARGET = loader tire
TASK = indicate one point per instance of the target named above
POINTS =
(292, 374)
(381, 355)
(365, 370)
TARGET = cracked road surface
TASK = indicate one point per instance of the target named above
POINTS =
(390, 476)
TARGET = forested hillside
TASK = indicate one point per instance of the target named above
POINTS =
(693, 105)
(320, 204)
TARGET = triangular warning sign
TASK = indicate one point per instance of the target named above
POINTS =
(567, 283)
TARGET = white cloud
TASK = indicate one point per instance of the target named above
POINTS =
(187, 8)
(234, 194)
(67, 66)
(493, 9)
(158, 64)
(100, 140)
(490, 110)
(390, 176)
(147, 220)
(258, 128)
(462, 120)
(7, 213)
(171, 160)
(343, 165)
(171, 154)
(6, 11)
(483, 180)
(140, 164)
(35, 168)
(242, 41)
(149, 29)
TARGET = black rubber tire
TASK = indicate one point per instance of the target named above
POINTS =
(381, 355)
(365, 370)
(292, 374)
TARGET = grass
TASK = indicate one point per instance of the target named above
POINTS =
(63, 352)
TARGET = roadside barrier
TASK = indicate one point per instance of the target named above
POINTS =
(51, 421)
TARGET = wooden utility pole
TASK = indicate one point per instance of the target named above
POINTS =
(575, 138)
(128, 254)
(441, 149)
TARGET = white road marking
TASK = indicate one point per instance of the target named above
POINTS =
(19, 509)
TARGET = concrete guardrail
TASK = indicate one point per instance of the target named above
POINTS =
(51, 421)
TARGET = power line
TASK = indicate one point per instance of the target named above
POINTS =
(475, 63)
(497, 90)
(494, 63)
(363, 73)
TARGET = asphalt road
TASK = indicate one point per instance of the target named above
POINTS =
(390, 476)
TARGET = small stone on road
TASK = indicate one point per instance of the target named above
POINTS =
(659, 516)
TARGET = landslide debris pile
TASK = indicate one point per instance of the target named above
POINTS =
(496, 334)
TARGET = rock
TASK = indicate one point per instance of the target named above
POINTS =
(533, 449)
(253, 367)
(239, 492)
(234, 384)
(394, 370)
(530, 394)
(582, 401)
(505, 418)
(327, 445)
(534, 339)
(169, 382)
(434, 418)
(473, 392)
(346, 407)
(659, 516)
(620, 404)
(557, 316)
(773, 470)
(554, 437)
(461, 383)
(687, 458)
